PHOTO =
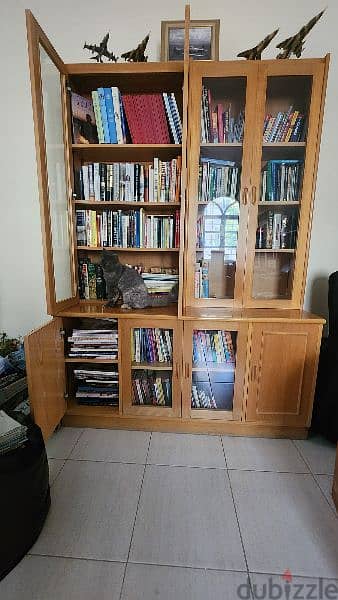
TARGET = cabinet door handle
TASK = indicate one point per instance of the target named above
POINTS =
(253, 195)
(245, 196)
(177, 370)
(187, 370)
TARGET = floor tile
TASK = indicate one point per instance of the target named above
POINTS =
(150, 582)
(318, 453)
(286, 523)
(93, 510)
(325, 482)
(186, 517)
(187, 450)
(55, 466)
(62, 442)
(286, 588)
(42, 578)
(262, 454)
(112, 445)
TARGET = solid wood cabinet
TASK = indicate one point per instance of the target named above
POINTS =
(282, 373)
(211, 362)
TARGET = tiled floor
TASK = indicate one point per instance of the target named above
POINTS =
(141, 516)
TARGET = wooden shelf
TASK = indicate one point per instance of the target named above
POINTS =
(220, 369)
(284, 144)
(73, 408)
(276, 250)
(221, 145)
(146, 205)
(95, 249)
(278, 203)
(152, 367)
(98, 309)
(125, 152)
(84, 147)
(106, 361)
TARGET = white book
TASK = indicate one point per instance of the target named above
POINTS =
(117, 113)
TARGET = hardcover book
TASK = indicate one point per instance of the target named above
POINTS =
(83, 119)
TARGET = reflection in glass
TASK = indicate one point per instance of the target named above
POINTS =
(56, 172)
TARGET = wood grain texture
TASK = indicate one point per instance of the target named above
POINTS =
(44, 351)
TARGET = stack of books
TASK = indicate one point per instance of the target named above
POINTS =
(151, 345)
(202, 398)
(281, 180)
(158, 181)
(92, 285)
(127, 229)
(276, 230)
(213, 348)
(159, 283)
(284, 127)
(219, 122)
(151, 388)
(93, 343)
(218, 178)
(97, 387)
(109, 117)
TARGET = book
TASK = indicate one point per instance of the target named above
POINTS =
(281, 180)
(104, 116)
(285, 126)
(151, 345)
(83, 120)
(110, 115)
(220, 123)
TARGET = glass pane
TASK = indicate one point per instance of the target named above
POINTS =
(56, 172)
(283, 154)
(151, 352)
(222, 130)
(213, 369)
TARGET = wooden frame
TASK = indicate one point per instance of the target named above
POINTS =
(214, 24)
(128, 408)
(242, 336)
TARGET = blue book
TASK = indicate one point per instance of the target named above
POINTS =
(104, 116)
(110, 115)
(137, 229)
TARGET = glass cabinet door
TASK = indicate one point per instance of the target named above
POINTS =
(152, 368)
(214, 377)
(218, 182)
(280, 197)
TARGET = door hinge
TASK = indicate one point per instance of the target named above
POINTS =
(62, 333)
(65, 395)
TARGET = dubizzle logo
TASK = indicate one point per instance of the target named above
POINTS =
(286, 588)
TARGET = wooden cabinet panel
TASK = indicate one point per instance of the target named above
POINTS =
(208, 380)
(335, 483)
(150, 378)
(44, 350)
(282, 373)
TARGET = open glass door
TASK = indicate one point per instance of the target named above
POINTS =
(51, 138)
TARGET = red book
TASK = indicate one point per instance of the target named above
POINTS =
(220, 123)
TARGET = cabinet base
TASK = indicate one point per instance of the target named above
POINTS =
(172, 425)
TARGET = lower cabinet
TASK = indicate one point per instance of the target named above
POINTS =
(214, 358)
(282, 373)
(151, 353)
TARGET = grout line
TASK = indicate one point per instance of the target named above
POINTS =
(73, 448)
(315, 479)
(235, 509)
(134, 524)
(57, 476)
(170, 566)
(83, 558)
(294, 575)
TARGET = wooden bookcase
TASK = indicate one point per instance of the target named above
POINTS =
(231, 368)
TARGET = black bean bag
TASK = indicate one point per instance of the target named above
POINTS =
(24, 498)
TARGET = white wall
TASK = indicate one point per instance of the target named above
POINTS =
(68, 23)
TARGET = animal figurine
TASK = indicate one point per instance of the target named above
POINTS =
(126, 283)
(101, 50)
(295, 44)
(137, 55)
(256, 52)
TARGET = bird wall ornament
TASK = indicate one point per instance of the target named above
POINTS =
(101, 50)
(295, 44)
(256, 52)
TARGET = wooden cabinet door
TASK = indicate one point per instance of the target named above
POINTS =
(214, 369)
(151, 351)
(218, 180)
(283, 180)
(335, 483)
(44, 351)
(48, 88)
(282, 373)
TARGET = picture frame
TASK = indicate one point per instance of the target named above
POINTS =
(204, 40)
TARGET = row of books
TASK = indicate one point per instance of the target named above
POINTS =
(202, 279)
(213, 347)
(218, 178)
(160, 283)
(277, 230)
(92, 285)
(200, 398)
(152, 389)
(127, 229)
(158, 181)
(93, 343)
(219, 122)
(281, 180)
(284, 127)
(97, 387)
(152, 345)
(109, 117)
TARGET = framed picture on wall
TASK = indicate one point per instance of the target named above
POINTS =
(203, 40)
